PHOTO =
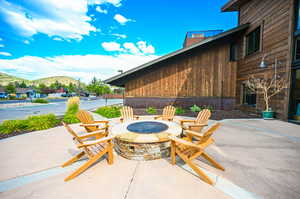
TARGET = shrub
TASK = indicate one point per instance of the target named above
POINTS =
(72, 109)
(39, 100)
(151, 110)
(211, 108)
(31, 123)
(195, 108)
(109, 111)
(179, 111)
(42, 122)
(11, 126)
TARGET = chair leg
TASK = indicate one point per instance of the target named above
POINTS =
(173, 153)
(85, 166)
(212, 161)
(195, 168)
(110, 154)
(73, 159)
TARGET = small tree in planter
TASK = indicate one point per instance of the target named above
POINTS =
(268, 87)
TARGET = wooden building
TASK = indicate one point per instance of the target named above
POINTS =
(213, 71)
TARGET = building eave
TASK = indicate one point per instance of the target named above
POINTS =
(120, 80)
(233, 5)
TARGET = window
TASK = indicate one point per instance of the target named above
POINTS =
(233, 52)
(297, 49)
(249, 97)
(253, 41)
(297, 14)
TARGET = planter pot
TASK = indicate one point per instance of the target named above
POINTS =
(267, 115)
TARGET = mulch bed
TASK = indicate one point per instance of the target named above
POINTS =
(2, 136)
(216, 115)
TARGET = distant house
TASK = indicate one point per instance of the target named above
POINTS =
(58, 93)
(213, 70)
(27, 92)
(3, 94)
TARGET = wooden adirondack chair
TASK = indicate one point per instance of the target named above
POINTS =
(88, 122)
(127, 114)
(188, 150)
(197, 124)
(168, 113)
(94, 150)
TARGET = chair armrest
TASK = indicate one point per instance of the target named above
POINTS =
(193, 133)
(93, 142)
(184, 121)
(197, 125)
(136, 117)
(158, 116)
(102, 121)
(184, 142)
(84, 125)
(121, 119)
(92, 134)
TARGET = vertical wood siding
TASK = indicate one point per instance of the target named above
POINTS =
(205, 73)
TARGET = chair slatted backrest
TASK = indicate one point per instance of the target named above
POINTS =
(85, 117)
(207, 135)
(127, 113)
(77, 139)
(169, 111)
(203, 116)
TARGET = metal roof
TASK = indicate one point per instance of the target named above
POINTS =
(119, 80)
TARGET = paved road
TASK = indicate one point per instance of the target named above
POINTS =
(58, 108)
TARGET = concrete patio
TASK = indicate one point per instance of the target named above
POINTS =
(261, 158)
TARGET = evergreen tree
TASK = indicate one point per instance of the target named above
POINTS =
(10, 88)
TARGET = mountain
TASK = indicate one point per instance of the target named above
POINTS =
(6, 79)
(50, 80)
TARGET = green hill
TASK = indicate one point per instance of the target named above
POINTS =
(6, 79)
(50, 80)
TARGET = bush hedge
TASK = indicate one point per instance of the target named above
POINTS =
(151, 110)
(31, 123)
(72, 109)
(109, 111)
(41, 101)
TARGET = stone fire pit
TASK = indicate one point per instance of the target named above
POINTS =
(144, 139)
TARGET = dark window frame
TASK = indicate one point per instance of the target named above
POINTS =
(233, 52)
(255, 39)
(249, 97)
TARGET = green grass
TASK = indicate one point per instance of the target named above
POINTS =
(109, 111)
(41, 101)
(151, 110)
(31, 123)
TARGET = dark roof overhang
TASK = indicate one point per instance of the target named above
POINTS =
(121, 79)
(233, 5)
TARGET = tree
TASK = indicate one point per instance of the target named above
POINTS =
(268, 87)
(56, 85)
(10, 88)
(42, 88)
(98, 87)
(23, 85)
(71, 87)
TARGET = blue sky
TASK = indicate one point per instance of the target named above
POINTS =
(86, 38)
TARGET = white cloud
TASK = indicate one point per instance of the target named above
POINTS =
(57, 39)
(67, 19)
(142, 45)
(1, 39)
(111, 46)
(1, 45)
(116, 3)
(140, 48)
(5, 54)
(119, 36)
(26, 42)
(131, 47)
(78, 66)
(99, 9)
(122, 20)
